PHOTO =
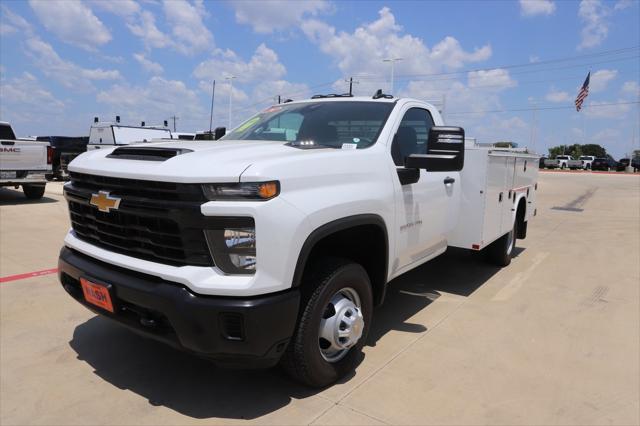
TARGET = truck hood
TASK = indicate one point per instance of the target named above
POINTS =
(200, 161)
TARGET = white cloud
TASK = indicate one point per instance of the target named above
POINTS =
(27, 104)
(623, 4)
(263, 65)
(188, 30)
(593, 14)
(123, 8)
(188, 33)
(144, 27)
(11, 23)
(537, 7)
(147, 64)
(498, 79)
(268, 16)
(607, 109)
(558, 96)
(259, 80)
(72, 22)
(600, 79)
(154, 102)
(362, 51)
(64, 72)
(27, 91)
(631, 88)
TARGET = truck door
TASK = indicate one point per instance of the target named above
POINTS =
(423, 208)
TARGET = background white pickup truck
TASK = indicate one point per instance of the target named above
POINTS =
(111, 134)
(586, 161)
(275, 243)
(23, 163)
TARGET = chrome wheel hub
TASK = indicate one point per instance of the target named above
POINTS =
(341, 325)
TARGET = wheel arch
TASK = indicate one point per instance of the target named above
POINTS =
(359, 231)
(520, 215)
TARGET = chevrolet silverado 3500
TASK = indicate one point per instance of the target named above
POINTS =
(275, 243)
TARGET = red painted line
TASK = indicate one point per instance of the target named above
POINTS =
(28, 275)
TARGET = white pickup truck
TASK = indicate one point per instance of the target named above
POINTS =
(587, 160)
(275, 243)
(23, 163)
(111, 134)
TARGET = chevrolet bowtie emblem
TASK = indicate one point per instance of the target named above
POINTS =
(104, 202)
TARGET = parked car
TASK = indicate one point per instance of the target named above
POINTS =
(563, 162)
(541, 162)
(635, 163)
(23, 163)
(275, 243)
(64, 149)
(607, 164)
(586, 161)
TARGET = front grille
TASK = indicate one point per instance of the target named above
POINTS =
(156, 221)
(168, 191)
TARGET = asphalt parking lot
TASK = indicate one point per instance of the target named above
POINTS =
(551, 339)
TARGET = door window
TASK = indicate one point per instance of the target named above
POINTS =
(412, 135)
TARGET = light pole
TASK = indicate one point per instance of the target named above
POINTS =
(230, 79)
(393, 63)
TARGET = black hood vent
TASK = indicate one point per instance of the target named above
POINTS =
(147, 153)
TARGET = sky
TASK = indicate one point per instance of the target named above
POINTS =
(503, 70)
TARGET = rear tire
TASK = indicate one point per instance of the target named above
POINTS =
(335, 288)
(33, 192)
(501, 251)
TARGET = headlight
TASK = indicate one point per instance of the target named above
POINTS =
(233, 249)
(241, 191)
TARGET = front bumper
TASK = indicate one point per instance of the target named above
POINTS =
(234, 332)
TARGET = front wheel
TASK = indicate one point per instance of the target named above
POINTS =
(33, 192)
(335, 319)
(501, 251)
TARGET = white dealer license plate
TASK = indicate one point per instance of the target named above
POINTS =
(7, 175)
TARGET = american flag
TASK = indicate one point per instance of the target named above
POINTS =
(584, 92)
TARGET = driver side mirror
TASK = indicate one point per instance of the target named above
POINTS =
(219, 132)
(445, 151)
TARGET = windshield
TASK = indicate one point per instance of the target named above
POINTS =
(325, 123)
(585, 157)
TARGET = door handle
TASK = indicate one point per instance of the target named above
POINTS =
(448, 180)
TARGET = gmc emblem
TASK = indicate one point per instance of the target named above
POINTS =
(10, 149)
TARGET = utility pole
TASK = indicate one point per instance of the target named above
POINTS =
(534, 125)
(174, 118)
(351, 81)
(393, 63)
(444, 107)
(213, 94)
(230, 79)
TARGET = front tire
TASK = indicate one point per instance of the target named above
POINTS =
(33, 192)
(501, 251)
(335, 318)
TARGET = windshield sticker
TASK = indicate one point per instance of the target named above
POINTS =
(349, 146)
(248, 124)
(356, 140)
